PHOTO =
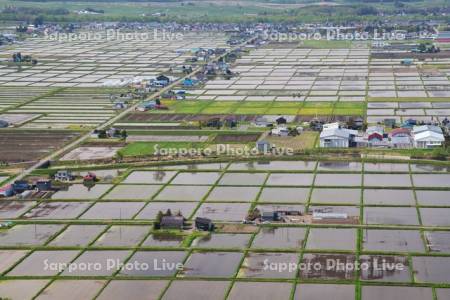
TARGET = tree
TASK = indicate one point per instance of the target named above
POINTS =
(38, 21)
(124, 134)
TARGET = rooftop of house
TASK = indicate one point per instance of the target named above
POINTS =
(429, 135)
(170, 221)
(423, 128)
(338, 132)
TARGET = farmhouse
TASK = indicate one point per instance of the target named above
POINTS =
(337, 137)
(64, 175)
(172, 222)
(428, 136)
(401, 138)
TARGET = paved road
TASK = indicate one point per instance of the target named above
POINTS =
(110, 122)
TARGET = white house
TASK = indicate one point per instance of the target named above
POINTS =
(337, 137)
(428, 139)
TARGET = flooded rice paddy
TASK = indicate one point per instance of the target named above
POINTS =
(115, 221)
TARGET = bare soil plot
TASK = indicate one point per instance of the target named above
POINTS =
(90, 153)
(26, 146)
(306, 140)
(167, 138)
(236, 138)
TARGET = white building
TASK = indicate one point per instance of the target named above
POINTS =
(428, 136)
(337, 137)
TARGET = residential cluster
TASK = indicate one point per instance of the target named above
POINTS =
(410, 135)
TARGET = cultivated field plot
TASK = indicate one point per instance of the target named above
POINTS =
(402, 111)
(387, 79)
(11, 97)
(273, 81)
(91, 63)
(69, 107)
(294, 75)
(398, 212)
(29, 145)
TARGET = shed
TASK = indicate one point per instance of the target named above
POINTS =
(281, 120)
(263, 146)
(20, 186)
(172, 222)
(268, 216)
(204, 224)
(44, 185)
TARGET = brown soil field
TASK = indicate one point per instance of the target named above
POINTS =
(236, 138)
(28, 146)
